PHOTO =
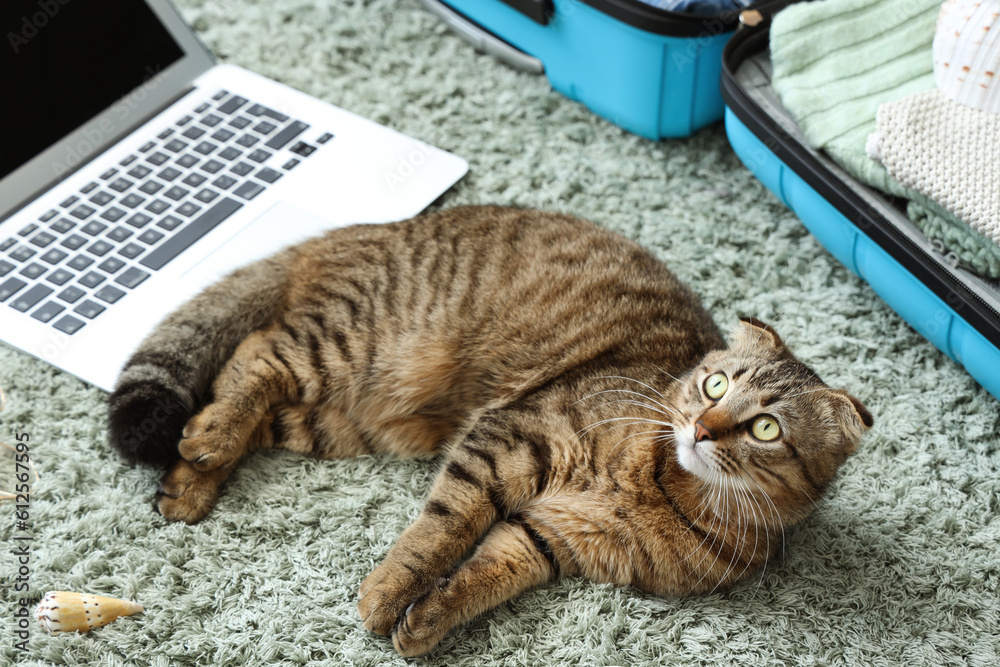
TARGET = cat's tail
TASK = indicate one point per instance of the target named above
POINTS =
(169, 376)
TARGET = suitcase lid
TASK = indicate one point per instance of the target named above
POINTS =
(647, 17)
(662, 22)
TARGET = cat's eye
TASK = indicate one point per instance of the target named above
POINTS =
(765, 428)
(716, 385)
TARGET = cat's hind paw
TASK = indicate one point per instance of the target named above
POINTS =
(384, 594)
(187, 494)
(212, 439)
(421, 626)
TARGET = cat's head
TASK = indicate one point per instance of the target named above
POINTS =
(755, 417)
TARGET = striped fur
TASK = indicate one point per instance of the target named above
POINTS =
(557, 369)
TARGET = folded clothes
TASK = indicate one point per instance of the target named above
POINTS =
(961, 245)
(703, 7)
(967, 53)
(834, 63)
(946, 151)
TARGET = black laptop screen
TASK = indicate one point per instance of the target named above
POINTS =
(64, 61)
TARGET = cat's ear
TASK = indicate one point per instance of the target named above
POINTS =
(754, 332)
(853, 417)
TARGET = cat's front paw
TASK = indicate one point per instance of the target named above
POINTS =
(211, 439)
(187, 494)
(422, 625)
(385, 593)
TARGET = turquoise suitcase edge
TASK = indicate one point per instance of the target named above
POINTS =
(654, 85)
(911, 299)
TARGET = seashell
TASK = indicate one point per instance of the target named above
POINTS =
(62, 611)
(967, 53)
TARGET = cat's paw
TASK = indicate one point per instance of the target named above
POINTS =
(422, 625)
(211, 439)
(187, 494)
(385, 593)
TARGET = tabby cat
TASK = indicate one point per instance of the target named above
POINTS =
(589, 417)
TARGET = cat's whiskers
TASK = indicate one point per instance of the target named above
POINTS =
(723, 521)
(631, 435)
(772, 508)
(622, 377)
(710, 532)
(710, 501)
(631, 421)
(737, 547)
(632, 402)
(670, 438)
(760, 334)
(663, 402)
(652, 405)
(720, 481)
(706, 505)
(717, 465)
(775, 513)
(777, 517)
(813, 377)
(672, 377)
(767, 545)
(748, 509)
(751, 502)
(743, 511)
(744, 503)
(587, 429)
(803, 393)
(663, 409)
(748, 505)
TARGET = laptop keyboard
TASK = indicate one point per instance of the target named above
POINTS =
(100, 244)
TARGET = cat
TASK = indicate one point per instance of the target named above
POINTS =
(589, 416)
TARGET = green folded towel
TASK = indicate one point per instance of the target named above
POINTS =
(834, 62)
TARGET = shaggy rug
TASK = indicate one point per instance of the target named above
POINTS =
(899, 565)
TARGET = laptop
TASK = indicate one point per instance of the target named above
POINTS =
(135, 171)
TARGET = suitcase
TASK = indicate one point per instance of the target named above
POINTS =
(652, 72)
(863, 228)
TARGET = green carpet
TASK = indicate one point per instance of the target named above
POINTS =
(900, 565)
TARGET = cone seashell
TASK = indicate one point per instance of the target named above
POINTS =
(62, 611)
(967, 53)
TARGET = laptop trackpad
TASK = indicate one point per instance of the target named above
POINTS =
(280, 226)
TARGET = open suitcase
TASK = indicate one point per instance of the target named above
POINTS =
(650, 71)
(861, 227)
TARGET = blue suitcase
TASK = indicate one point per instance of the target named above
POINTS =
(652, 72)
(862, 228)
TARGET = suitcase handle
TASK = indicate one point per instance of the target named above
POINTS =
(484, 41)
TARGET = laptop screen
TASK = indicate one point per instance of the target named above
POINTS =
(62, 62)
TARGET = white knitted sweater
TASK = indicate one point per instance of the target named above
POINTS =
(946, 151)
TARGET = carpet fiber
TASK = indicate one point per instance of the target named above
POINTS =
(900, 564)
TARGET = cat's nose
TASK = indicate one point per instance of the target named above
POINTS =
(702, 433)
